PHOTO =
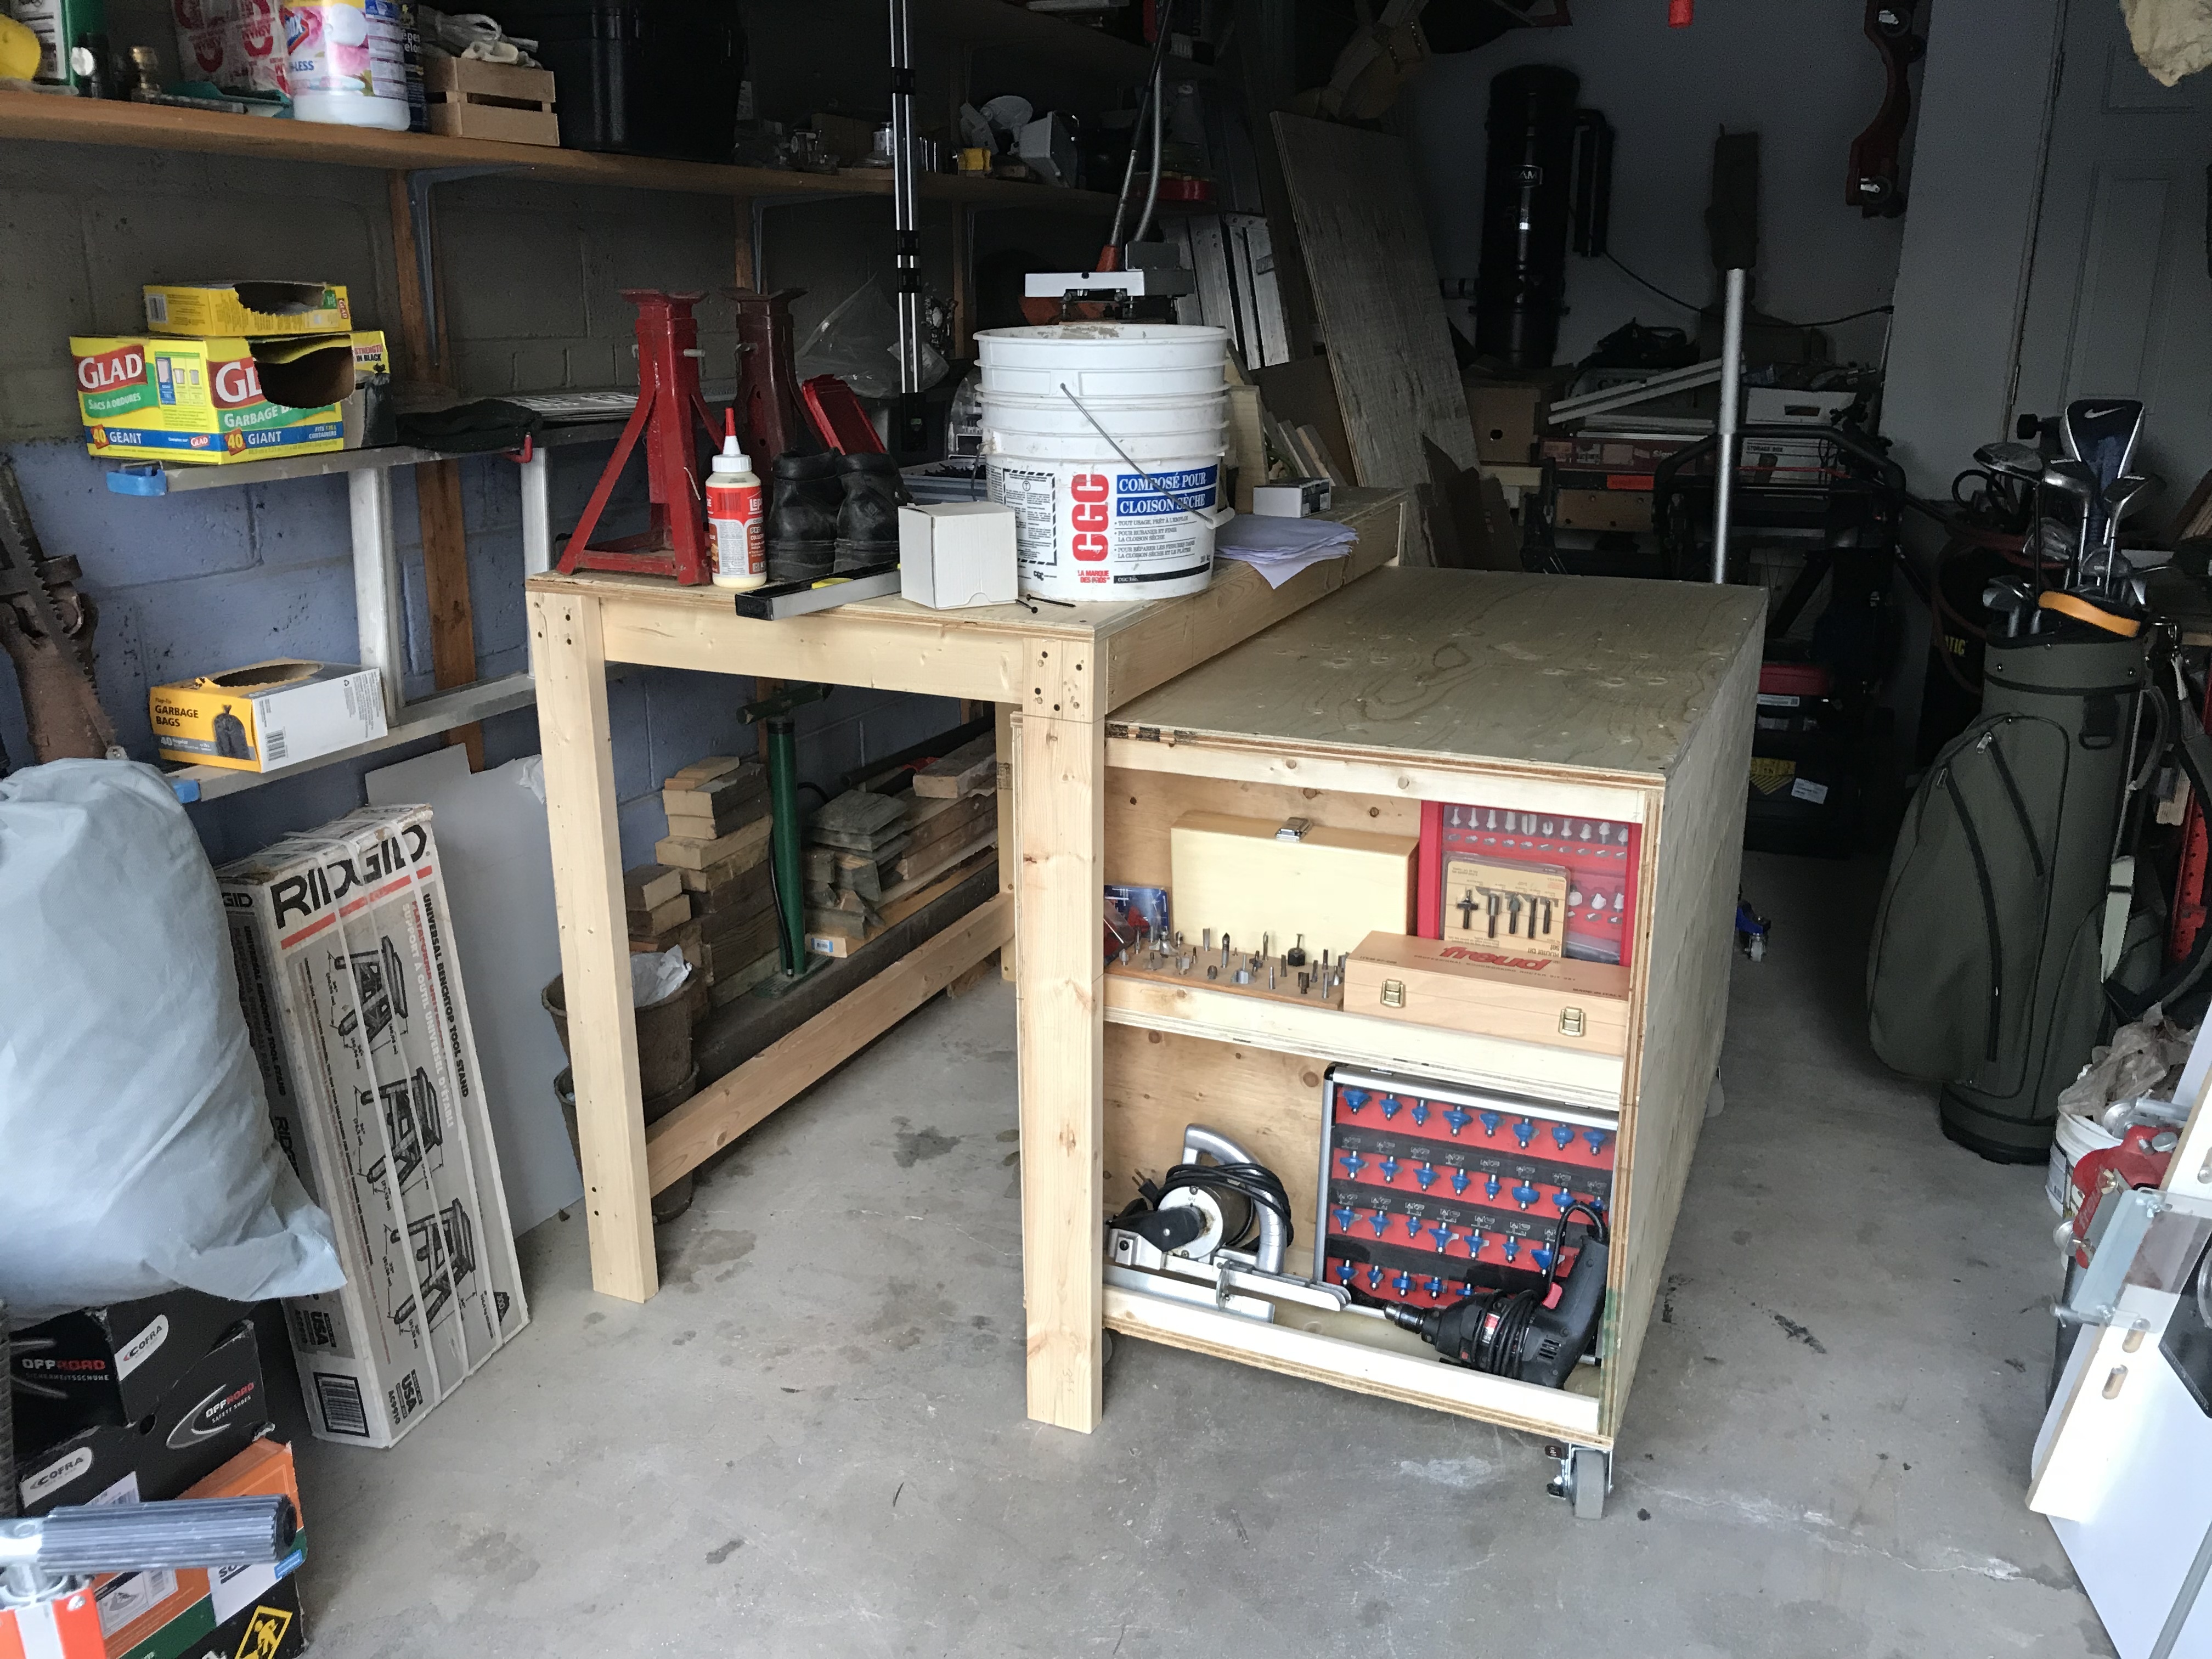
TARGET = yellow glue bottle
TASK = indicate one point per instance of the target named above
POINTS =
(734, 534)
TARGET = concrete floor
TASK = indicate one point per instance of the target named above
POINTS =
(811, 1442)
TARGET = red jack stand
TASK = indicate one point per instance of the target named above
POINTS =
(668, 401)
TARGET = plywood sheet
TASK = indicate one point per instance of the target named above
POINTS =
(1366, 248)
(1581, 672)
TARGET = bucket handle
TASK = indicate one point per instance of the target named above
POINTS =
(1212, 517)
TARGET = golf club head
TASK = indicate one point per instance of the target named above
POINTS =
(2121, 493)
(2014, 460)
(2101, 432)
(2073, 478)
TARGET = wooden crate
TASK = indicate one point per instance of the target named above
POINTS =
(1626, 701)
(468, 99)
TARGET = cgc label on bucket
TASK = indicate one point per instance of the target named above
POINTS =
(1081, 525)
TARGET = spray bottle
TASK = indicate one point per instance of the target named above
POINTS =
(733, 516)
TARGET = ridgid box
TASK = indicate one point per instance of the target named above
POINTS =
(351, 986)
(268, 714)
(221, 399)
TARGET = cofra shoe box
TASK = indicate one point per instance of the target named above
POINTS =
(251, 309)
(220, 398)
(268, 714)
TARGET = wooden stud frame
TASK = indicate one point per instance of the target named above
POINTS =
(1062, 670)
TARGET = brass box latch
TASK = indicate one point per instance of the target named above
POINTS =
(1394, 993)
(1571, 1022)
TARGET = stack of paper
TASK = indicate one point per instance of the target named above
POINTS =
(1279, 548)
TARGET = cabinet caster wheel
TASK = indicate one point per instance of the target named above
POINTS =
(1585, 1477)
(1105, 1349)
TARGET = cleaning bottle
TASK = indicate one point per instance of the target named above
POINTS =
(733, 516)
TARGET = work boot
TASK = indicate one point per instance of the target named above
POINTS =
(802, 517)
(867, 523)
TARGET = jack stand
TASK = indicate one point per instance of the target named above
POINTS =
(668, 400)
(768, 385)
(1585, 1477)
(773, 714)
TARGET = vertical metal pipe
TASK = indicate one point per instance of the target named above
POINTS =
(1731, 404)
(905, 211)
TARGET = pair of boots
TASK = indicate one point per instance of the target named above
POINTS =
(830, 514)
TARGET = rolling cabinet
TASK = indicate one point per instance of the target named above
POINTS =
(1476, 700)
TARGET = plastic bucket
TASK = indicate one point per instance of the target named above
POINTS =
(1126, 515)
(2075, 1138)
(1104, 360)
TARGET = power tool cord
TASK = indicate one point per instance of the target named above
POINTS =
(1254, 1183)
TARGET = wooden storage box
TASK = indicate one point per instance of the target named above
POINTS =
(469, 100)
(1626, 702)
(1564, 1004)
(1254, 877)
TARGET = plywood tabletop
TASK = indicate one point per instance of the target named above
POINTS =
(1584, 673)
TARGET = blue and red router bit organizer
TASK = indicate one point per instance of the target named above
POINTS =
(1430, 1193)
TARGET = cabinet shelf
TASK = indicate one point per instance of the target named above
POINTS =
(41, 118)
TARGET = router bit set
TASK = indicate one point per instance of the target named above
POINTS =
(1529, 887)
(1294, 973)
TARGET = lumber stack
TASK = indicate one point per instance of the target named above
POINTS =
(875, 856)
(717, 848)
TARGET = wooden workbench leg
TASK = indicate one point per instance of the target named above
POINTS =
(1009, 846)
(1059, 812)
(569, 660)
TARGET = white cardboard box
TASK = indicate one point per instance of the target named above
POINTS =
(957, 554)
(268, 714)
(343, 941)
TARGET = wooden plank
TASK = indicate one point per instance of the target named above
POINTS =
(1174, 636)
(967, 821)
(927, 868)
(1373, 1371)
(739, 1099)
(930, 887)
(660, 917)
(741, 848)
(1300, 394)
(1586, 674)
(1468, 1057)
(588, 879)
(1008, 845)
(1683, 953)
(1060, 772)
(1364, 239)
(645, 885)
(968, 769)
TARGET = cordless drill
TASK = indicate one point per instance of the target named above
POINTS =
(1511, 1332)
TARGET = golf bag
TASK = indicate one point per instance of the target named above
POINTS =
(1986, 969)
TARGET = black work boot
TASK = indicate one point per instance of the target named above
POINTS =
(867, 523)
(802, 517)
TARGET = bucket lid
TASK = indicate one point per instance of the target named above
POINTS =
(1092, 333)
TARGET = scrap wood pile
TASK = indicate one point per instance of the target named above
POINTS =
(709, 895)
(874, 856)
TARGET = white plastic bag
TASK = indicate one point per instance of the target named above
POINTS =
(136, 1154)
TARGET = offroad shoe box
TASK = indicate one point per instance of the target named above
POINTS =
(111, 1365)
(352, 986)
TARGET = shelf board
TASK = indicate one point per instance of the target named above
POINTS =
(43, 118)
(1390, 1045)
(463, 706)
(184, 477)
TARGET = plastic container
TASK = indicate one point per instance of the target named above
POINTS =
(734, 536)
(346, 63)
(1116, 492)
(2075, 1138)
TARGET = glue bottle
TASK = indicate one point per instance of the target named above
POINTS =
(733, 516)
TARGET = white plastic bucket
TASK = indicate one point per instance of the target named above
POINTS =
(1104, 360)
(1125, 513)
(2075, 1138)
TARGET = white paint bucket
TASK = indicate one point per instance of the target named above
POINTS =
(2075, 1137)
(1115, 493)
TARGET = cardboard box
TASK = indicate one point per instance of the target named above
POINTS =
(268, 714)
(255, 310)
(112, 1365)
(1772, 405)
(223, 398)
(212, 1412)
(352, 986)
(957, 554)
(1508, 418)
(1292, 498)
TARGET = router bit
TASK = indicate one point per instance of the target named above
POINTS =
(1305, 984)
(1225, 950)
(1490, 894)
(1213, 972)
(1271, 976)
(1207, 941)
(1513, 914)
(1295, 956)
(1243, 976)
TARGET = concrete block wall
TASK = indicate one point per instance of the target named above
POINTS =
(195, 583)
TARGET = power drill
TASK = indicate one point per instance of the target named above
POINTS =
(1511, 1332)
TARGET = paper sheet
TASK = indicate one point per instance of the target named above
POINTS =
(1279, 548)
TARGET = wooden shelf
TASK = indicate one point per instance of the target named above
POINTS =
(42, 119)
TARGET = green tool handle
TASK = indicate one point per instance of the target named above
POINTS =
(784, 846)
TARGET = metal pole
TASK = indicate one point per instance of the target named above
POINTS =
(1731, 403)
(783, 847)
(905, 213)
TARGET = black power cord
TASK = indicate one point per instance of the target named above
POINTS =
(1257, 1184)
(1676, 300)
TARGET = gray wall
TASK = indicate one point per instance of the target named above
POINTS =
(1801, 74)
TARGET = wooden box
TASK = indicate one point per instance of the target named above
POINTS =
(1628, 701)
(469, 100)
(1557, 1002)
(1256, 877)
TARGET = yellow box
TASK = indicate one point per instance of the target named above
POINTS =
(268, 714)
(220, 399)
(252, 309)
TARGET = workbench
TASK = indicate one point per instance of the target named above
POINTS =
(1564, 697)
(1063, 670)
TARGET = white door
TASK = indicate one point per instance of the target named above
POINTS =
(2120, 303)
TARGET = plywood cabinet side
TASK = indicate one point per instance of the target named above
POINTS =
(1685, 955)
